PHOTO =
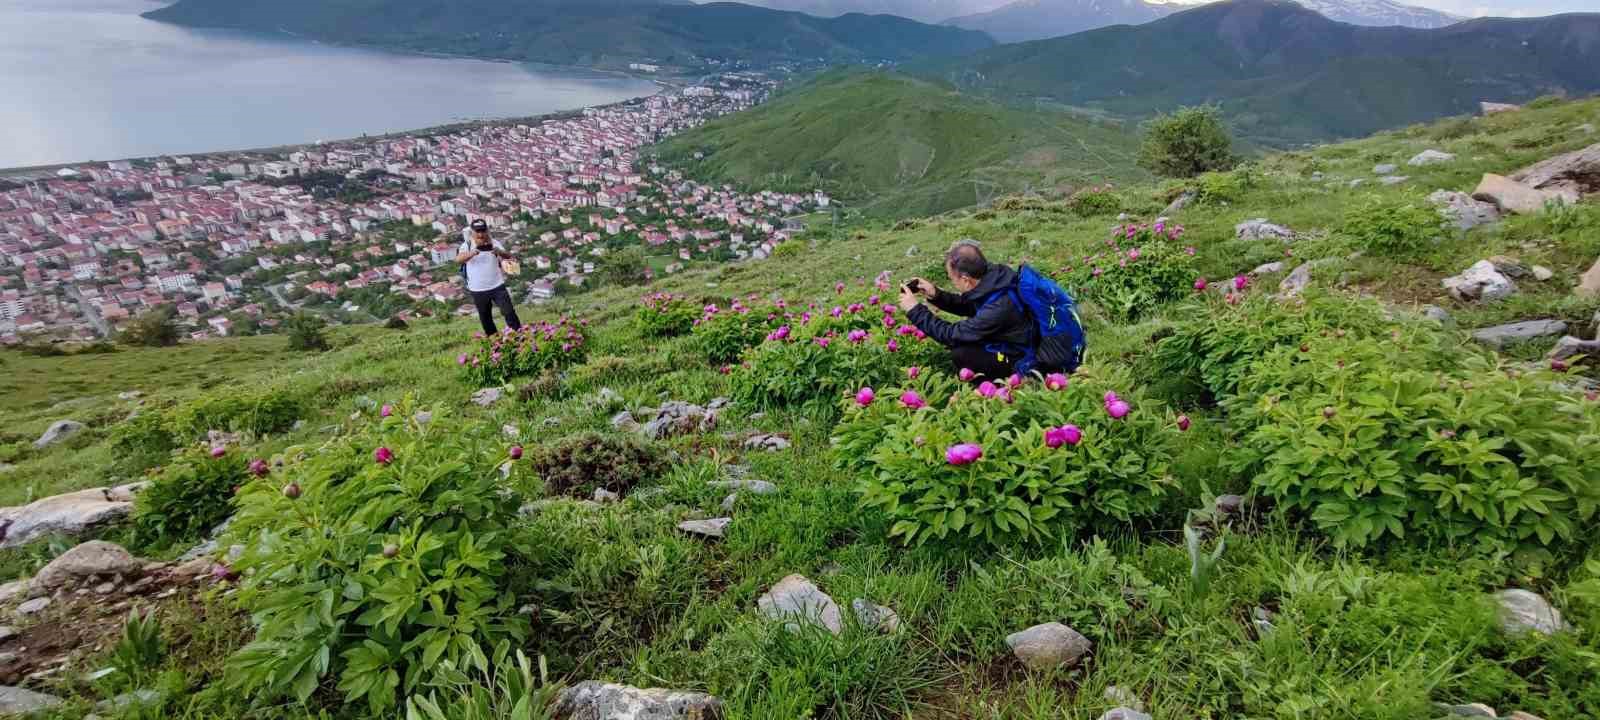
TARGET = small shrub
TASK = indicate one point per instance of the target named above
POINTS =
(579, 465)
(143, 440)
(1454, 128)
(601, 369)
(187, 499)
(665, 315)
(305, 332)
(1186, 143)
(153, 328)
(1389, 228)
(1545, 101)
(258, 412)
(1143, 268)
(1021, 490)
(547, 385)
(1095, 202)
(811, 365)
(513, 353)
(789, 249)
(722, 335)
(377, 560)
(1227, 187)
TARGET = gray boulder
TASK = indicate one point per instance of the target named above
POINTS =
(758, 487)
(20, 701)
(1271, 268)
(1522, 612)
(1181, 202)
(1510, 267)
(1589, 284)
(71, 514)
(1569, 347)
(58, 431)
(33, 607)
(769, 443)
(1392, 179)
(1463, 211)
(93, 559)
(487, 396)
(713, 528)
(1385, 169)
(1260, 229)
(1048, 646)
(1570, 176)
(795, 600)
(1499, 336)
(1429, 157)
(1515, 197)
(875, 617)
(1481, 282)
(591, 700)
(1438, 315)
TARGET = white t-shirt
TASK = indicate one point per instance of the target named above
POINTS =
(483, 270)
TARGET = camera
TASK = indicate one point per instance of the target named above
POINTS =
(911, 285)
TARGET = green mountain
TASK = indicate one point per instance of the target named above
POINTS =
(587, 32)
(900, 146)
(1285, 74)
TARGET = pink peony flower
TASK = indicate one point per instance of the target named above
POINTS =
(1096, 272)
(1056, 381)
(889, 321)
(837, 311)
(865, 396)
(516, 452)
(966, 374)
(1183, 423)
(1133, 254)
(383, 456)
(223, 573)
(1200, 284)
(912, 400)
(987, 389)
(259, 467)
(823, 342)
(219, 451)
(461, 359)
(1111, 397)
(1117, 410)
(1058, 436)
(838, 288)
(1015, 381)
(913, 371)
(386, 411)
(1240, 282)
(856, 336)
(1188, 250)
(1071, 434)
(963, 454)
(892, 345)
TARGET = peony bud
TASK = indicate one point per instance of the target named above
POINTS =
(1118, 410)
(1056, 381)
(383, 456)
(966, 375)
(515, 452)
(291, 491)
(386, 411)
(912, 400)
(963, 454)
(865, 396)
(1183, 423)
(391, 550)
(258, 467)
(913, 371)
(987, 389)
(1200, 284)
(219, 451)
(1328, 412)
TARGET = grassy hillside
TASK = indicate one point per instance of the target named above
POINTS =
(1286, 75)
(608, 33)
(1382, 631)
(895, 146)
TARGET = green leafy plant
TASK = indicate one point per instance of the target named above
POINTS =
(1095, 201)
(140, 649)
(813, 365)
(1389, 228)
(187, 498)
(723, 334)
(579, 465)
(259, 412)
(1202, 565)
(1187, 142)
(1227, 187)
(1052, 462)
(666, 315)
(377, 560)
(1142, 269)
(306, 332)
(510, 692)
(144, 440)
(513, 353)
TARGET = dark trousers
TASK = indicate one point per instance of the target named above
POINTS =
(486, 302)
(987, 364)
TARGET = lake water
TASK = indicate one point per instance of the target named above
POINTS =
(91, 80)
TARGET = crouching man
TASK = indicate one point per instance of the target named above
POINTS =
(995, 334)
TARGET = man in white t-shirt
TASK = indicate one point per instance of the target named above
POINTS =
(480, 260)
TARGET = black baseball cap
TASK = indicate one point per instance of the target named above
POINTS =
(479, 225)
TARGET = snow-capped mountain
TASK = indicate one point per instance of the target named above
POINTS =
(1038, 19)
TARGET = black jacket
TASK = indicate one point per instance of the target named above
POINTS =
(1001, 322)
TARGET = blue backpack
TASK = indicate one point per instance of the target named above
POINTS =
(1059, 343)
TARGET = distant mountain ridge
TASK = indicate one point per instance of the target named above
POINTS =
(1025, 20)
(1285, 74)
(605, 33)
(928, 11)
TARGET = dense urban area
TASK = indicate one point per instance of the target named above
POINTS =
(366, 230)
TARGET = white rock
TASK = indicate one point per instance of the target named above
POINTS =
(1542, 273)
(1124, 713)
(602, 495)
(729, 502)
(96, 558)
(769, 443)
(1123, 697)
(20, 701)
(1522, 612)
(1438, 315)
(30, 607)
(125, 493)
(58, 431)
(1430, 157)
(487, 396)
(71, 514)
(1392, 179)
(796, 600)
(1480, 282)
(1385, 169)
(1047, 646)
(1499, 336)
(759, 487)
(511, 431)
(1260, 229)
(875, 617)
(1589, 284)
(1271, 268)
(1569, 175)
(1514, 197)
(591, 700)
(1464, 211)
(713, 528)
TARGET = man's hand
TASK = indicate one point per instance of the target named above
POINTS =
(924, 288)
(907, 300)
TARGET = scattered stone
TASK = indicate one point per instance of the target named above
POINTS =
(1271, 268)
(1470, 710)
(1510, 267)
(30, 607)
(729, 502)
(511, 431)
(1393, 179)
(1464, 211)
(1227, 505)
(912, 251)
(1358, 182)
(602, 495)
(676, 418)
(130, 395)
(1494, 108)
(1569, 347)
(875, 617)
(105, 588)
(1261, 618)
(1124, 713)
(423, 417)
(1430, 157)
(1481, 282)
(1300, 278)
(13, 590)
(129, 700)
(551, 422)
(1569, 176)
(592, 700)
(1385, 169)
(769, 443)
(20, 701)
(487, 396)
(95, 558)
(71, 514)
(6, 467)
(1438, 315)
(1499, 336)
(1589, 284)
(796, 600)
(1260, 229)
(1048, 646)
(607, 397)
(1514, 197)
(1123, 697)
(1181, 202)
(58, 431)
(712, 528)
(718, 403)
(1520, 715)
(6, 633)
(759, 487)
(1522, 612)
(1542, 273)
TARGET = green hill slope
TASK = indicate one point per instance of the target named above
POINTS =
(607, 33)
(897, 146)
(1288, 75)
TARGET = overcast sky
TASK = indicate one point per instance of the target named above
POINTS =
(1508, 8)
